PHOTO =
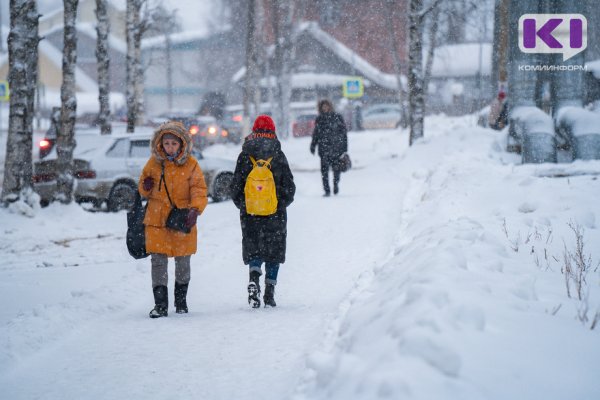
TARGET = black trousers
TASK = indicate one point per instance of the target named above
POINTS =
(325, 165)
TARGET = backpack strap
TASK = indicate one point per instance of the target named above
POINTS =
(266, 162)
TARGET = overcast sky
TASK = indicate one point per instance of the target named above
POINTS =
(194, 14)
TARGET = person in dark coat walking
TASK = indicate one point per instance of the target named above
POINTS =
(263, 237)
(331, 136)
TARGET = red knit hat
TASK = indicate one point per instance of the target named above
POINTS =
(263, 123)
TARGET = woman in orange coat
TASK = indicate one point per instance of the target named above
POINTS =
(172, 172)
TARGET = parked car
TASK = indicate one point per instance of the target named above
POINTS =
(382, 116)
(304, 125)
(110, 172)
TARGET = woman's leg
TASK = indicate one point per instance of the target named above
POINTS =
(182, 269)
(182, 280)
(325, 175)
(336, 181)
(159, 264)
(255, 266)
(254, 284)
(270, 282)
(160, 279)
(272, 271)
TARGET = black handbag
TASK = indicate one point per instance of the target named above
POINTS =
(343, 163)
(176, 219)
(136, 234)
(177, 216)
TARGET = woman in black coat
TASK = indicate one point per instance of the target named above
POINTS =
(263, 237)
(331, 136)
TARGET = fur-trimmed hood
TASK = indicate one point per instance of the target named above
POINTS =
(177, 129)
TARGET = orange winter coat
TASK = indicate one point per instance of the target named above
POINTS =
(187, 189)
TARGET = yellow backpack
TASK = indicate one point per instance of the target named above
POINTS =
(261, 197)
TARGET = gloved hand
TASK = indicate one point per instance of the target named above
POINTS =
(191, 218)
(312, 150)
(148, 183)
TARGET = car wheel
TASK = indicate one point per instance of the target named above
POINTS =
(122, 197)
(221, 185)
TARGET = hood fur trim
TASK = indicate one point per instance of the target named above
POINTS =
(177, 129)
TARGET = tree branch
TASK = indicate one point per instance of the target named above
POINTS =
(423, 13)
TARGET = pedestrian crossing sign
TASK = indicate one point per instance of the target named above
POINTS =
(353, 87)
(4, 92)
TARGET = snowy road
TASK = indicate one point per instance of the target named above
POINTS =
(78, 328)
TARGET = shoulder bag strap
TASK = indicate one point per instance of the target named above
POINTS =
(163, 179)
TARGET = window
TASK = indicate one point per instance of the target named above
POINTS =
(119, 149)
(140, 149)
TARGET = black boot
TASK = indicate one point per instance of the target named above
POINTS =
(254, 289)
(180, 298)
(269, 296)
(161, 301)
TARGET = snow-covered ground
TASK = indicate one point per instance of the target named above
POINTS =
(436, 273)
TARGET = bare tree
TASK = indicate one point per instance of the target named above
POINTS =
(65, 140)
(102, 49)
(432, 44)
(135, 27)
(164, 22)
(390, 15)
(416, 92)
(1, 41)
(251, 62)
(282, 13)
(260, 54)
(499, 74)
(22, 77)
(140, 21)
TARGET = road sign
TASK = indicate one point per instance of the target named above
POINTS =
(353, 87)
(4, 92)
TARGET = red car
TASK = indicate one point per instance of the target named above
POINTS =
(304, 125)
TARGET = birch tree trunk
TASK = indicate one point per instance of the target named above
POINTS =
(282, 14)
(169, 71)
(65, 143)
(432, 33)
(102, 48)
(133, 62)
(259, 55)
(250, 76)
(416, 89)
(391, 15)
(22, 77)
(139, 70)
(416, 101)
